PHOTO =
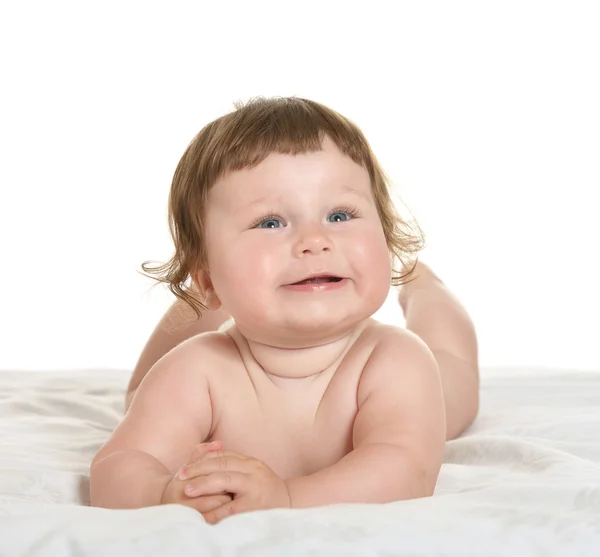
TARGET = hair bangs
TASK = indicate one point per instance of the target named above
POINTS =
(289, 126)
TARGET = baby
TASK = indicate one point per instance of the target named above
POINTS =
(282, 220)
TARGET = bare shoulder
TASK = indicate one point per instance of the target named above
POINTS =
(396, 351)
(171, 411)
(216, 346)
(186, 368)
(399, 360)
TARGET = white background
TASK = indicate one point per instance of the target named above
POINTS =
(485, 115)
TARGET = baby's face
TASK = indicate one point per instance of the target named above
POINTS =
(288, 219)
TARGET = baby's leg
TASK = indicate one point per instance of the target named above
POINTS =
(177, 325)
(433, 313)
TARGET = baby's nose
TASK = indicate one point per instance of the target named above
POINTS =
(312, 239)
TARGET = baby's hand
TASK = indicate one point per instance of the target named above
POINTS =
(174, 492)
(253, 484)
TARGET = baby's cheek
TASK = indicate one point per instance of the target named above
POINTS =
(246, 277)
(374, 268)
(372, 250)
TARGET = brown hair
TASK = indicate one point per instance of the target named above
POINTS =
(243, 139)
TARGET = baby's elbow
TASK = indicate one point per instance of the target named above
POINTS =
(418, 480)
(425, 482)
(428, 485)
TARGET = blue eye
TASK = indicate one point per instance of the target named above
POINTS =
(343, 214)
(269, 223)
(339, 216)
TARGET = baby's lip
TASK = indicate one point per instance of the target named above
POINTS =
(320, 277)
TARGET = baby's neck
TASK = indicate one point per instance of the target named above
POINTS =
(290, 367)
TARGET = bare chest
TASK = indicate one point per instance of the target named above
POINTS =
(293, 433)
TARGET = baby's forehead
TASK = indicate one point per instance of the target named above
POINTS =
(289, 180)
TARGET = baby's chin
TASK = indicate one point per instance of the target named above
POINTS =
(302, 333)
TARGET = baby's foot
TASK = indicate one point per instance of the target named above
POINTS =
(422, 282)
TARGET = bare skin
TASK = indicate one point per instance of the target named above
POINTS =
(287, 443)
(296, 433)
(431, 311)
(434, 314)
(177, 325)
(309, 400)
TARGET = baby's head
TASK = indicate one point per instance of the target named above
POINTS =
(278, 191)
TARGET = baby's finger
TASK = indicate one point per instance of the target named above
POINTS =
(217, 454)
(203, 449)
(230, 482)
(209, 503)
(231, 463)
(228, 509)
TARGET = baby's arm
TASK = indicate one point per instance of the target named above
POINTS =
(399, 432)
(170, 414)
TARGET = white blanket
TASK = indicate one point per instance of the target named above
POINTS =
(524, 480)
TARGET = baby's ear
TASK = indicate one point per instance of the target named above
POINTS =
(205, 289)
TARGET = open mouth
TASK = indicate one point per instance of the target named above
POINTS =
(318, 280)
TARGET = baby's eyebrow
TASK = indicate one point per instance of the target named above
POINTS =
(258, 201)
(361, 193)
(266, 199)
